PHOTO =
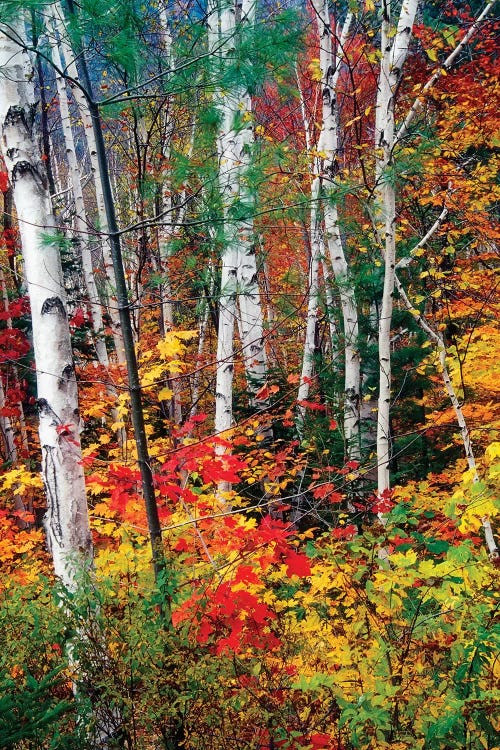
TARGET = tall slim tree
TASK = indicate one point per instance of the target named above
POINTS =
(394, 43)
(228, 22)
(66, 520)
(327, 168)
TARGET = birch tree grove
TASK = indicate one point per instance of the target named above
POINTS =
(203, 543)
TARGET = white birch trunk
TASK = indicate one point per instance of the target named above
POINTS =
(71, 69)
(317, 248)
(239, 283)
(66, 521)
(81, 225)
(330, 303)
(202, 332)
(328, 146)
(455, 402)
(393, 59)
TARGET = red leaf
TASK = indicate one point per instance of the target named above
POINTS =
(245, 574)
(323, 490)
(345, 532)
(320, 740)
(263, 393)
(382, 505)
(297, 564)
(311, 405)
(399, 540)
(4, 182)
(78, 319)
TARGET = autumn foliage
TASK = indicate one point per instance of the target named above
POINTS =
(297, 609)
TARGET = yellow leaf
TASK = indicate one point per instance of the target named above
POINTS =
(492, 452)
(165, 394)
(351, 122)
(432, 54)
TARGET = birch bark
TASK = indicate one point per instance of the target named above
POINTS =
(328, 148)
(438, 339)
(66, 520)
(239, 270)
(80, 219)
(317, 248)
(6, 430)
(392, 61)
(67, 58)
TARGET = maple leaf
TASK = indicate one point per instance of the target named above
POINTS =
(297, 564)
(245, 574)
(382, 506)
(181, 545)
(263, 393)
(78, 319)
(312, 405)
(320, 740)
(353, 465)
(323, 490)
(345, 532)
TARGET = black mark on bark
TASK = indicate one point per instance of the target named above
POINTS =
(53, 515)
(53, 306)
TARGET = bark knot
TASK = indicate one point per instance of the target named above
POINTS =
(53, 306)
(17, 115)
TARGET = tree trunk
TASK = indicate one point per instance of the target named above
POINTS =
(134, 385)
(317, 248)
(393, 59)
(104, 242)
(66, 521)
(328, 147)
(239, 283)
(438, 339)
(80, 219)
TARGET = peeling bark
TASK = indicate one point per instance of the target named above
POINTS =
(393, 58)
(66, 521)
(327, 168)
(239, 285)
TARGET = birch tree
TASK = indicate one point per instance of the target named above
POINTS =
(68, 63)
(327, 167)
(393, 56)
(80, 217)
(239, 285)
(66, 520)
